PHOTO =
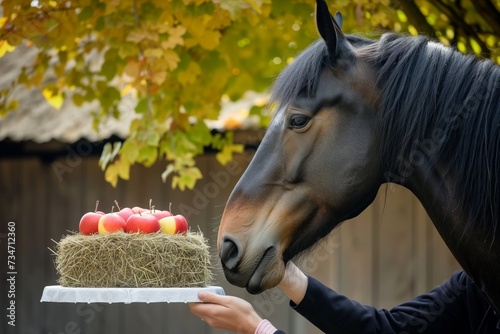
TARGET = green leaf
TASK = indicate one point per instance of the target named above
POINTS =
(142, 106)
(212, 63)
(109, 98)
(108, 69)
(130, 151)
(148, 155)
(200, 134)
(187, 178)
(99, 24)
(153, 139)
(128, 49)
(86, 13)
(78, 99)
(226, 154)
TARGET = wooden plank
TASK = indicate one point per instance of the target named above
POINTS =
(64, 210)
(443, 262)
(10, 206)
(420, 226)
(357, 266)
(395, 253)
(35, 243)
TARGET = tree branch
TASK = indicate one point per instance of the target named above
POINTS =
(416, 17)
(457, 20)
(489, 13)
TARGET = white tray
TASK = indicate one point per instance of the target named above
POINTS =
(61, 294)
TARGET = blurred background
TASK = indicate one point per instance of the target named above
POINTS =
(166, 100)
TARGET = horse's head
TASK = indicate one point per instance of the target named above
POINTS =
(317, 165)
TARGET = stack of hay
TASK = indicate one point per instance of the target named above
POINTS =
(133, 260)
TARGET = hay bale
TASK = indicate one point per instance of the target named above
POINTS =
(133, 260)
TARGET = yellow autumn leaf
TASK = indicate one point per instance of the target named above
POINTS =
(127, 89)
(132, 69)
(187, 178)
(153, 53)
(111, 175)
(111, 6)
(159, 77)
(172, 59)
(226, 155)
(175, 37)
(55, 100)
(177, 31)
(138, 36)
(210, 39)
(123, 169)
(190, 74)
(5, 47)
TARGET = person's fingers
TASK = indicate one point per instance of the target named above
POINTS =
(197, 310)
(226, 312)
(210, 297)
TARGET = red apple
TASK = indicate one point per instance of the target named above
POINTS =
(138, 209)
(174, 225)
(161, 214)
(111, 222)
(89, 221)
(125, 212)
(142, 223)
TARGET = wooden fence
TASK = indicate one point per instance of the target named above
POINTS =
(388, 254)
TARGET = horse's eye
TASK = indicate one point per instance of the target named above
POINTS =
(298, 121)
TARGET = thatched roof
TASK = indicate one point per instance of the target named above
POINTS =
(37, 121)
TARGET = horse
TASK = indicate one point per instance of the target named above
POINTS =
(352, 114)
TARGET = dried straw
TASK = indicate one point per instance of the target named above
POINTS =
(133, 260)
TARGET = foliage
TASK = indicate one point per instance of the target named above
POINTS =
(178, 59)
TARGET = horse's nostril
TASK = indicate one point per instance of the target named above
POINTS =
(229, 254)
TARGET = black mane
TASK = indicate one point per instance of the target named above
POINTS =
(445, 105)
(434, 101)
(303, 74)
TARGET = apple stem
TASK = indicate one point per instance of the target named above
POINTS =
(116, 202)
(170, 207)
(112, 208)
(150, 203)
(96, 205)
(152, 210)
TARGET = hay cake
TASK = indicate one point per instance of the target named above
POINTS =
(133, 260)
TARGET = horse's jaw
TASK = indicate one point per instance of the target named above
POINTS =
(255, 245)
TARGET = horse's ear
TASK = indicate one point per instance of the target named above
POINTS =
(330, 30)
(339, 19)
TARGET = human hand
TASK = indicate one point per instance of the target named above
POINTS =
(294, 283)
(226, 312)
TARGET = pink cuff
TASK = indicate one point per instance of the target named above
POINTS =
(265, 327)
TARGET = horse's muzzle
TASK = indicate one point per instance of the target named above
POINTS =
(250, 277)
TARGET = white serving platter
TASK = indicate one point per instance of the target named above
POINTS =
(62, 294)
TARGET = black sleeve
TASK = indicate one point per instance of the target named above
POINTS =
(442, 310)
